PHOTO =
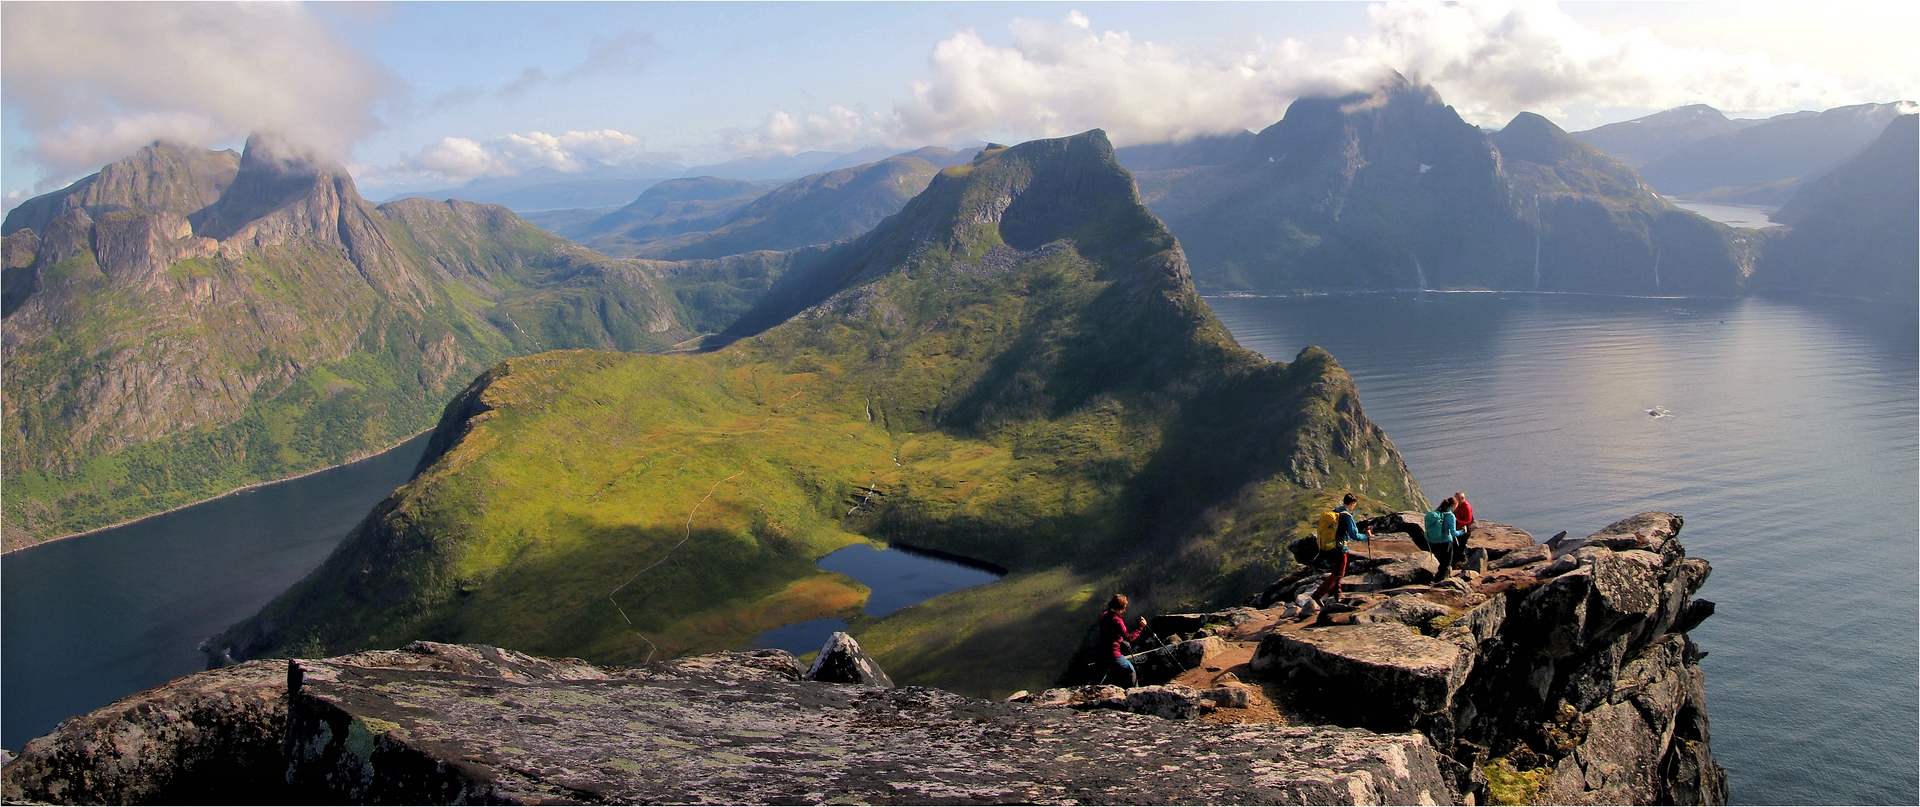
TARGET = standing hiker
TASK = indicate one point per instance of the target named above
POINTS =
(1463, 513)
(1113, 631)
(1333, 539)
(1441, 531)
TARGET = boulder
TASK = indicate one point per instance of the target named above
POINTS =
(1420, 568)
(1230, 695)
(1385, 677)
(1171, 701)
(841, 661)
(1167, 663)
(1411, 611)
(1497, 539)
(1524, 556)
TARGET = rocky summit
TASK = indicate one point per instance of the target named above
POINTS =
(1567, 678)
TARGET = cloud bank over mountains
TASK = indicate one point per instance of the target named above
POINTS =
(92, 82)
(458, 158)
(1492, 60)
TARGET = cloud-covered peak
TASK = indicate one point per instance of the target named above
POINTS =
(92, 82)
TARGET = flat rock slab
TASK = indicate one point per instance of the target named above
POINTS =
(704, 735)
(1498, 539)
(1384, 675)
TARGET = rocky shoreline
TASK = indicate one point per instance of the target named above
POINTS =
(1547, 673)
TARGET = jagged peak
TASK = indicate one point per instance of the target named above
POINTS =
(276, 175)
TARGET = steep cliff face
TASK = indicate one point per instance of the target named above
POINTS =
(1854, 231)
(159, 352)
(1392, 190)
(1017, 361)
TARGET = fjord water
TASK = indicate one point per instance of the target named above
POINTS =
(896, 577)
(91, 619)
(1786, 436)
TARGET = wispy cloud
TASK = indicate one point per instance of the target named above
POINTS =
(91, 82)
(1491, 60)
(456, 159)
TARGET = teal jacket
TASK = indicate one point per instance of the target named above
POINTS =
(1440, 529)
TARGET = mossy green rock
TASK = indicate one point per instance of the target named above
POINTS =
(1017, 361)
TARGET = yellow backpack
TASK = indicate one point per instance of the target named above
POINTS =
(1329, 531)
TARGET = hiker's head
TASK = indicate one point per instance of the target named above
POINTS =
(1446, 506)
(1349, 500)
(1459, 497)
(1118, 604)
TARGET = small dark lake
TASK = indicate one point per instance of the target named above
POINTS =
(899, 577)
(85, 621)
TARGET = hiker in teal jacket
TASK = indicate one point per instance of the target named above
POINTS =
(1441, 533)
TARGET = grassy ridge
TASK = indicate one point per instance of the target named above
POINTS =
(1042, 390)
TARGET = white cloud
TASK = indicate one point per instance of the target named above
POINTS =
(1490, 60)
(91, 82)
(459, 158)
(1494, 60)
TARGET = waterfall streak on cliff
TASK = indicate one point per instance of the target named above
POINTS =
(1420, 273)
(663, 559)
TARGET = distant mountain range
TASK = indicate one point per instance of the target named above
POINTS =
(1855, 231)
(1393, 190)
(187, 321)
(1695, 152)
(600, 185)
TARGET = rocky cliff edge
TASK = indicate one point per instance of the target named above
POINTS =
(1543, 673)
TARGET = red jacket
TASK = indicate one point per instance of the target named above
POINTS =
(1463, 513)
(1112, 629)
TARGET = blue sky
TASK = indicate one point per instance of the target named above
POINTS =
(426, 94)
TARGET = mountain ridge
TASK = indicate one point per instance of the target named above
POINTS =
(159, 354)
(1017, 359)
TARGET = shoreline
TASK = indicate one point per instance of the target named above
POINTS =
(234, 492)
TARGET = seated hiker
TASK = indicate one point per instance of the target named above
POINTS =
(1463, 513)
(1113, 631)
(1441, 532)
(1334, 533)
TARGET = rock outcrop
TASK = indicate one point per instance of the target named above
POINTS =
(841, 661)
(1563, 675)
(463, 724)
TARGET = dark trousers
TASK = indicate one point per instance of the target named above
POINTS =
(1444, 553)
(1338, 558)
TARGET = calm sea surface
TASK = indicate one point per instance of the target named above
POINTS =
(1787, 438)
(86, 621)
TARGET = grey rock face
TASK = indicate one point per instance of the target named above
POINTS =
(369, 733)
(210, 737)
(841, 661)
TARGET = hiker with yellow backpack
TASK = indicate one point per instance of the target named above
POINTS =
(1335, 529)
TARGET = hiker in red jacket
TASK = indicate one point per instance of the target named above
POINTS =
(1462, 512)
(1113, 630)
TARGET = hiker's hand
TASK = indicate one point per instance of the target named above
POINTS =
(1143, 621)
